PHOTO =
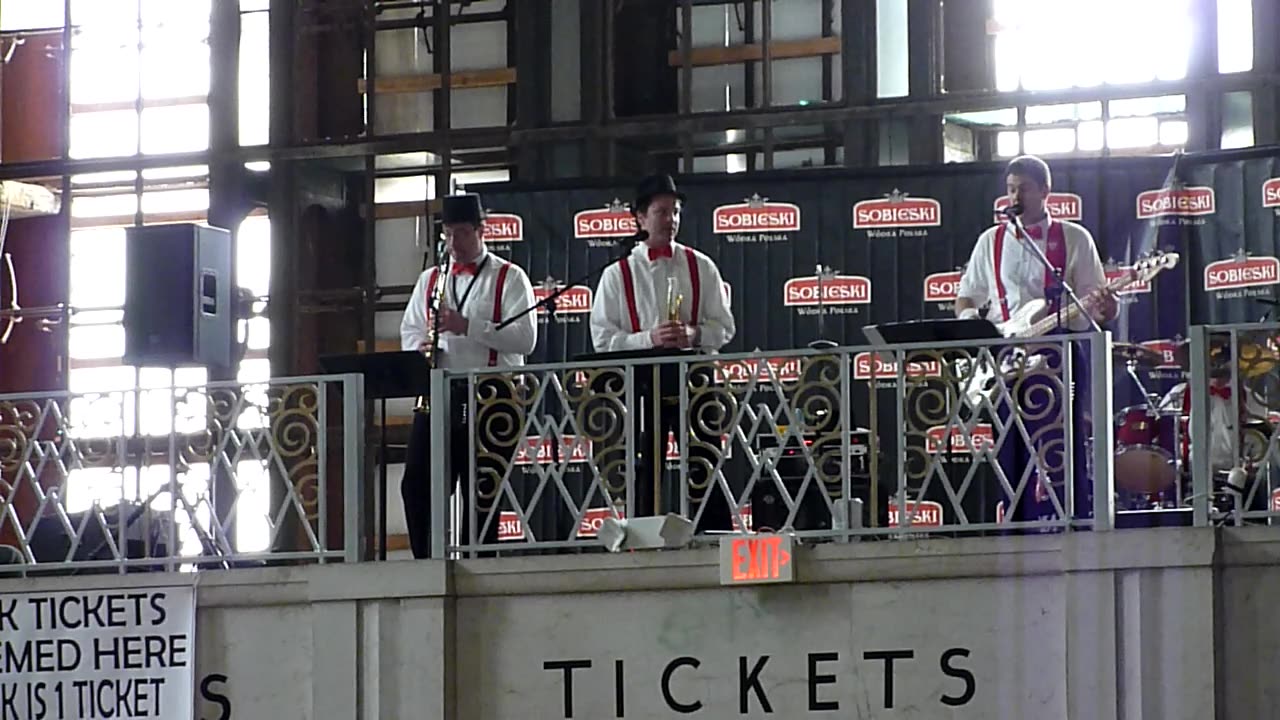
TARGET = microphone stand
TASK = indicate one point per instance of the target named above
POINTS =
(1066, 289)
(549, 302)
(1063, 285)
(822, 273)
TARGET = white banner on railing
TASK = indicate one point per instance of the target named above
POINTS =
(98, 654)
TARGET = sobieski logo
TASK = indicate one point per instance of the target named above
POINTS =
(981, 439)
(1241, 272)
(503, 228)
(575, 300)
(867, 366)
(538, 450)
(764, 370)
(926, 513)
(1168, 350)
(837, 290)
(1115, 271)
(896, 211)
(755, 215)
(1063, 206)
(942, 287)
(1271, 193)
(1177, 201)
(609, 222)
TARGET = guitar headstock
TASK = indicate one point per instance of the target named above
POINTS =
(1152, 264)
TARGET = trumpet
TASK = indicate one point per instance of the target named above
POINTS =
(674, 300)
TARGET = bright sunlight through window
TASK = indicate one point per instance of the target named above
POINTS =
(1119, 42)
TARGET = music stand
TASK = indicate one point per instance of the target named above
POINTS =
(387, 375)
(929, 331)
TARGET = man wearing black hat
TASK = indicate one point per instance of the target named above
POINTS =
(475, 291)
(633, 311)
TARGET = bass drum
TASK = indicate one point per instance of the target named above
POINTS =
(1144, 461)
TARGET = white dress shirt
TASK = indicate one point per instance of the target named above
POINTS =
(472, 350)
(1024, 274)
(611, 328)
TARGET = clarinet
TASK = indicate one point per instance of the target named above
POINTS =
(437, 302)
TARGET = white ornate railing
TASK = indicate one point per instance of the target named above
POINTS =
(231, 474)
(835, 444)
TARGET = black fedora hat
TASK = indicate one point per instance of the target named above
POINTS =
(653, 186)
(463, 208)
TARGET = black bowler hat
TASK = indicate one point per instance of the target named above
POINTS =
(653, 186)
(461, 209)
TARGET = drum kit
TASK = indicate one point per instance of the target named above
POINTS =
(1152, 461)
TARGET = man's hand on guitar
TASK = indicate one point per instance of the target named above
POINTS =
(1105, 307)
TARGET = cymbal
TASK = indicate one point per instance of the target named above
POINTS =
(1143, 357)
(1255, 360)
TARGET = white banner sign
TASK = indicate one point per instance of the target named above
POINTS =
(97, 654)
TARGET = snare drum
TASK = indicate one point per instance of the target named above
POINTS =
(1144, 460)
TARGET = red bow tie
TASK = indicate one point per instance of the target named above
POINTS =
(464, 268)
(659, 252)
(1035, 232)
(1221, 391)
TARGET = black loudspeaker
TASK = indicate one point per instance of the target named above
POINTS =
(177, 304)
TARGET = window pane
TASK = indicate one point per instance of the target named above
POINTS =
(104, 206)
(404, 189)
(101, 379)
(1131, 107)
(116, 177)
(102, 75)
(116, 16)
(1235, 36)
(169, 173)
(891, 48)
(1130, 41)
(1051, 140)
(97, 268)
(171, 201)
(96, 342)
(30, 14)
(254, 370)
(1003, 116)
(1044, 114)
(1173, 132)
(1132, 132)
(172, 69)
(255, 78)
(1237, 119)
(251, 5)
(259, 333)
(180, 128)
(188, 19)
(1089, 136)
(253, 255)
(1007, 143)
(104, 134)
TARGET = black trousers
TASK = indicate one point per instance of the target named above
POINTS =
(658, 491)
(1041, 408)
(499, 427)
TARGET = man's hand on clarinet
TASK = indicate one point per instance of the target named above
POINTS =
(451, 321)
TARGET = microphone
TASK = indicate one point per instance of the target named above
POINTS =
(1012, 211)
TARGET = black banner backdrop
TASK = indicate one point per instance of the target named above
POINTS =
(897, 238)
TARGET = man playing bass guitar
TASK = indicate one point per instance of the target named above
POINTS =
(1004, 276)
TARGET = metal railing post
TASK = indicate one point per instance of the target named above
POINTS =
(354, 520)
(1104, 504)
(440, 463)
(1200, 456)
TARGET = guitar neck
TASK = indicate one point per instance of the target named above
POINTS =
(1065, 317)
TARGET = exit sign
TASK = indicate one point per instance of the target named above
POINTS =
(756, 559)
